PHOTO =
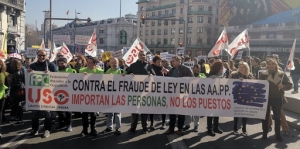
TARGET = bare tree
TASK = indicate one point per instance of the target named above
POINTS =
(31, 36)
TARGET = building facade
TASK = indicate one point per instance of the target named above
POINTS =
(162, 33)
(12, 25)
(112, 33)
(272, 25)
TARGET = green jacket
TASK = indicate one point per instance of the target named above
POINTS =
(68, 70)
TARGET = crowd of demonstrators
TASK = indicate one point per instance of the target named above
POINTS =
(12, 82)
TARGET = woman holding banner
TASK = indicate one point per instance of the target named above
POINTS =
(216, 71)
(278, 83)
(243, 72)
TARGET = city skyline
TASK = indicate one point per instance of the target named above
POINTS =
(34, 10)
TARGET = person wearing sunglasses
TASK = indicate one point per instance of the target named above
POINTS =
(44, 65)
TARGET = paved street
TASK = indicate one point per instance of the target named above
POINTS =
(16, 137)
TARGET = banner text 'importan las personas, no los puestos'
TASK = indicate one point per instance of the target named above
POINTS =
(146, 94)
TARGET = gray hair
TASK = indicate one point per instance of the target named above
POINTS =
(177, 58)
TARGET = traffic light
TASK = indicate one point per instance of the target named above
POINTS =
(180, 44)
(143, 19)
(166, 23)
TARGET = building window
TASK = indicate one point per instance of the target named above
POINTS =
(200, 8)
(158, 41)
(152, 32)
(179, 40)
(190, 19)
(142, 8)
(217, 11)
(217, 21)
(153, 14)
(200, 30)
(159, 32)
(101, 41)
(146, 41)
(174, 11)
(180, 31)
(141, 33)
(181, 20)
(181, 1)
(147, 15)
(165, 31)
(209, 20)
(190, 30)
(189, 41)
(147, 32)
(123, 37)
(200, 19)
(159, 13)
(165, 41)
(173, 31)
(173, 22)
(159, 23)
(152, 23)
(147, 24)
(152, 41)
(181, 10)
(166, 12)
(190, 8)
(271, 36)
(208, 41)
(172, 40)
(210, 8)
(208, 30)
(11, 20)
(141, 24)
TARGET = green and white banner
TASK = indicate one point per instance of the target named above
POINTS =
(146, 94)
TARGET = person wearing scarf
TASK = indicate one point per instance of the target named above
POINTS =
(278, 83)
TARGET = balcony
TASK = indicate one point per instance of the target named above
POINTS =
(200, 12)
(160, 45)
(142, 1)
(161, 16)
(12, 29)
(161, 7)
(17, 4)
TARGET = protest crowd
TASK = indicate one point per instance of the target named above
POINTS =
(271, 69)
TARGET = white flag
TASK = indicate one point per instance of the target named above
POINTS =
(290, 65)
(91, 47)
(221, 44)
(240, 42)
(66, 52)
(131, 55)
(54, 53)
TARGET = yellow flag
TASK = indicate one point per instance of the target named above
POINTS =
(106, 56)
(4, 45)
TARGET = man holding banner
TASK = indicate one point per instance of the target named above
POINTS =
(91, 68)
(64, 118)
(42, 64)
(178, 71)
(140, 67)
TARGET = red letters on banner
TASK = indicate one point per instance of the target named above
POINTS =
(60, 97)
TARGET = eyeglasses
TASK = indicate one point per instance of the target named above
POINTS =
(41, 55)
(142, 55)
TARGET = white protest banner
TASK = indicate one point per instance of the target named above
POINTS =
(240, 42)
(82, 39)
(99, 52)
(221, 44)
(144, 94)
(290, 65)
(169, 57)
(163, 55)
(91, 47)
(180, 51)
(118, 54)
(189, 64)
(31, 53)
(131, 55)
(15, 55)
(150, 57)
(66, 52)
(62, 38)
(202, 57)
